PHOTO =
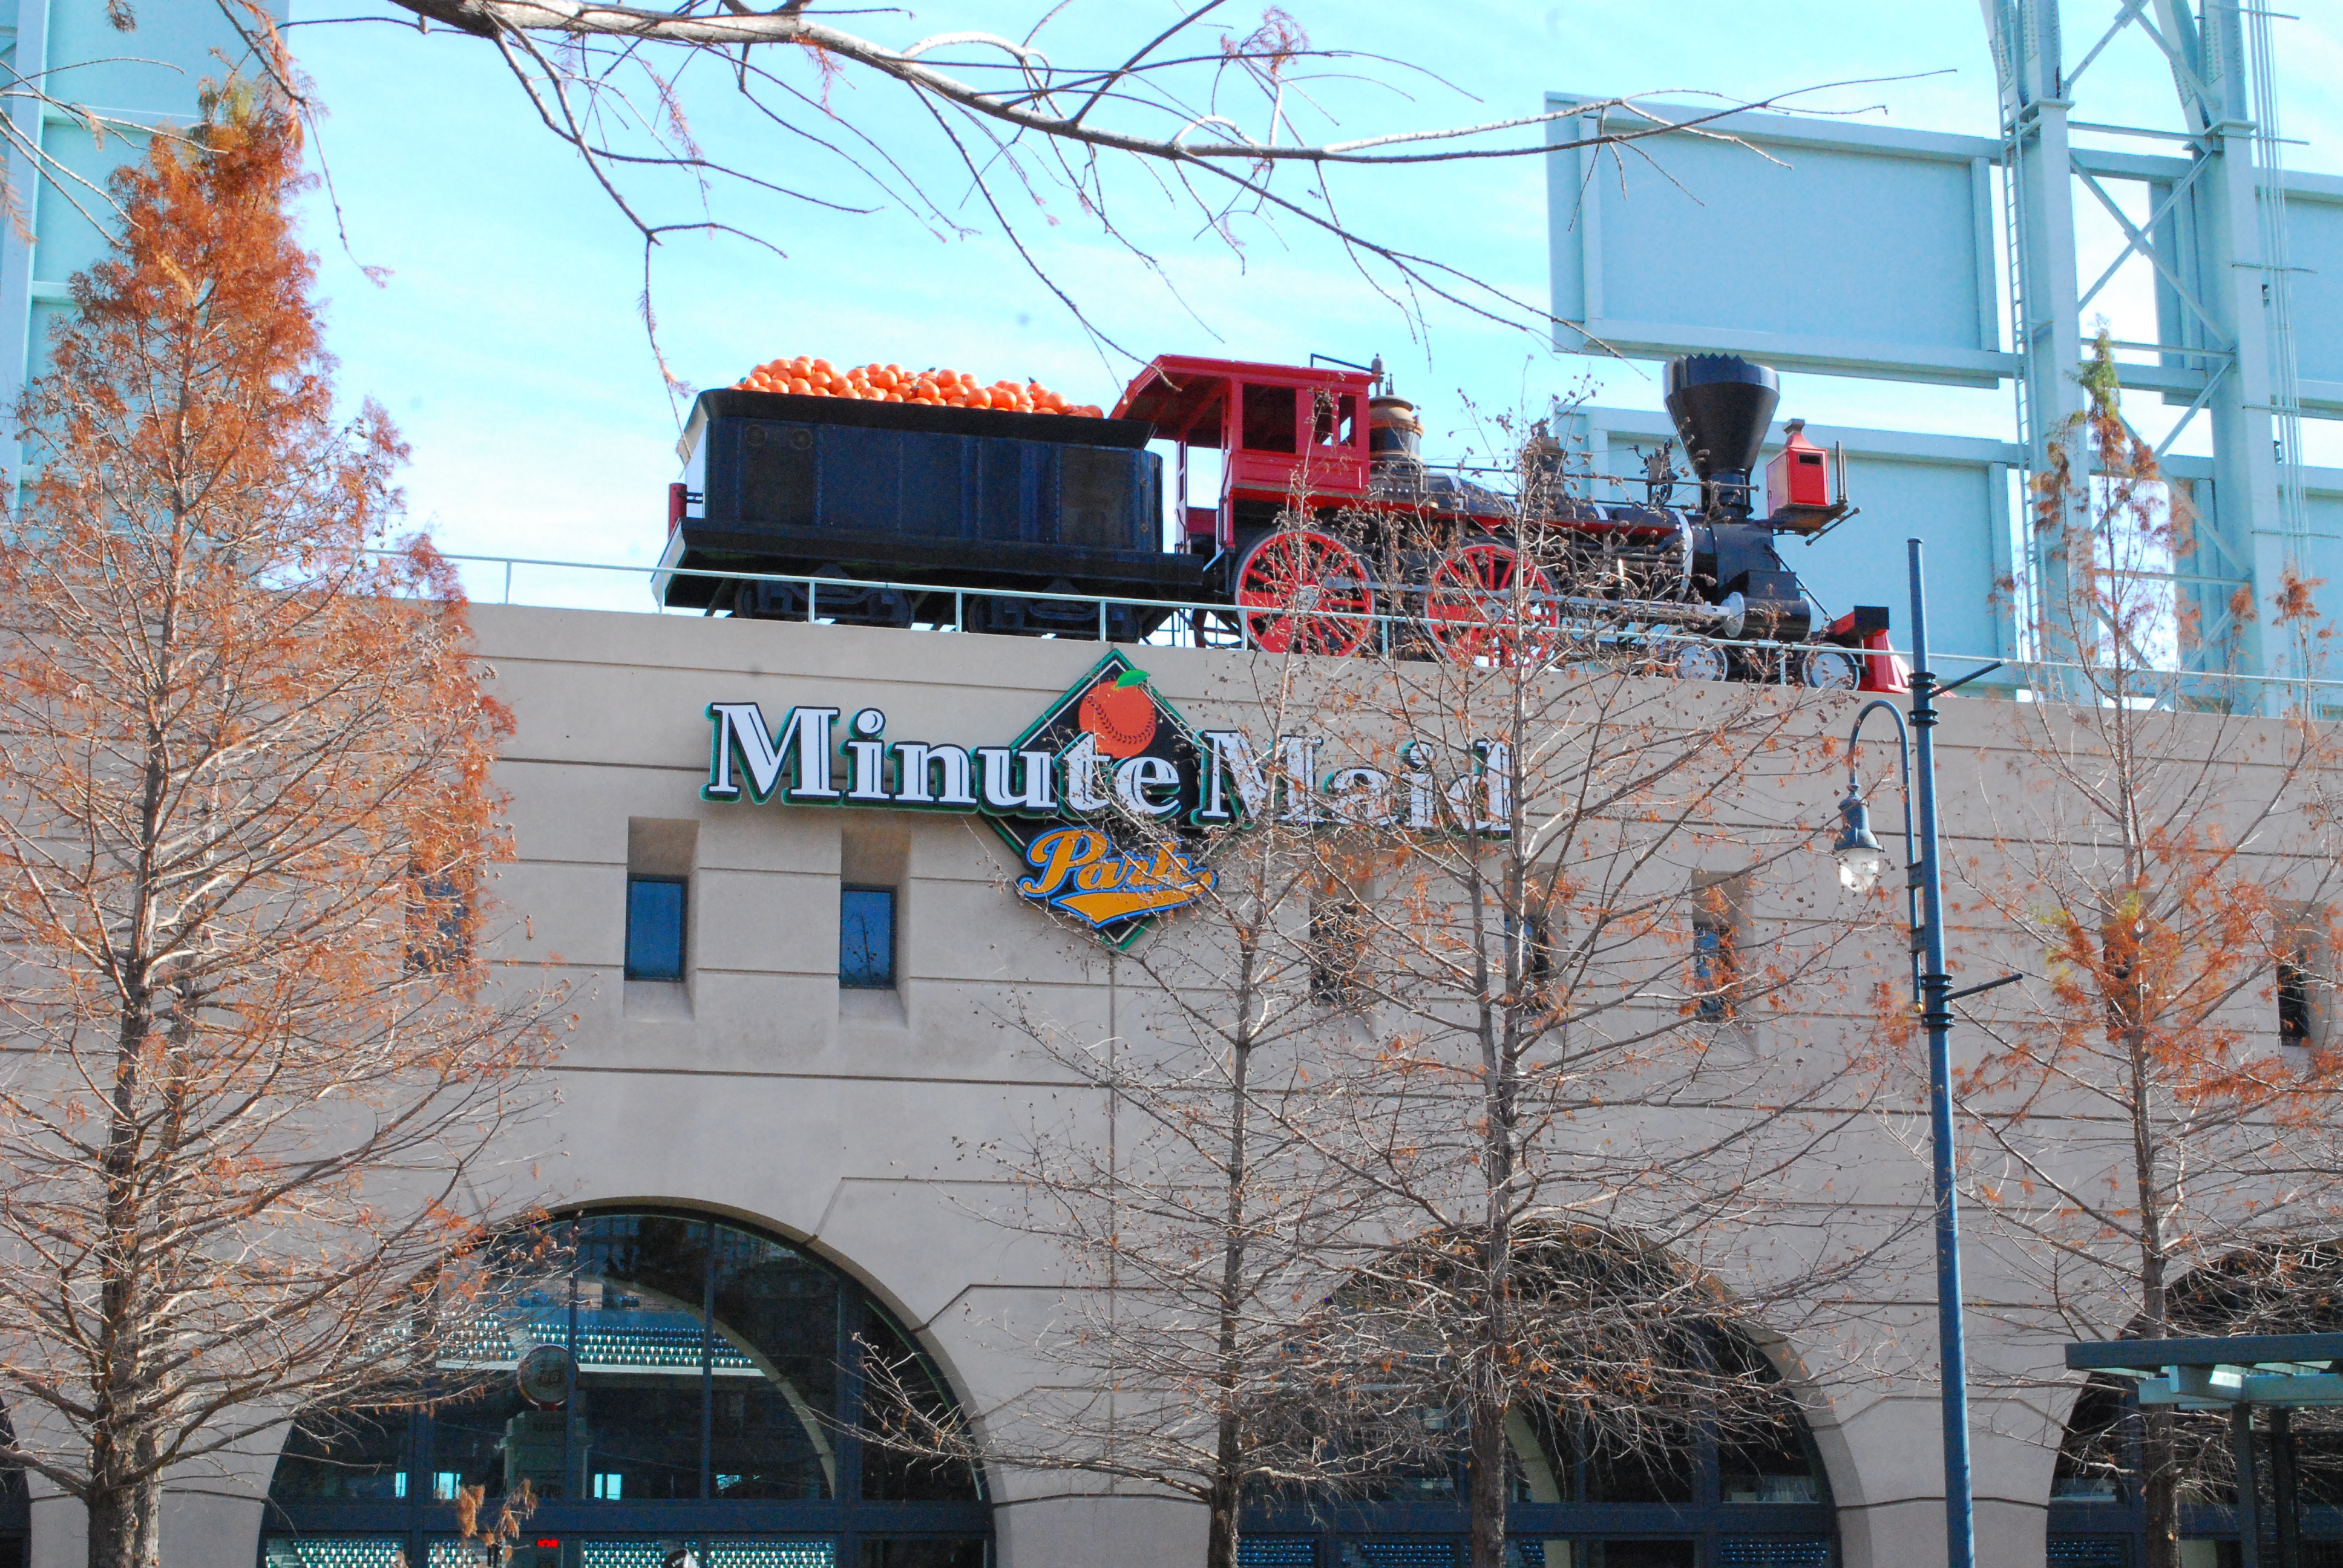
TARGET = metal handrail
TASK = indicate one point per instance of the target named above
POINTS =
(1384, 618)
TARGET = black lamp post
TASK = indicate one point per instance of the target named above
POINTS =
(1861, 863)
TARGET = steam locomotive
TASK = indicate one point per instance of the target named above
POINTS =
(1331, 532)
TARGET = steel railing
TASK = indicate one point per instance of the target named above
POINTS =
(1669, 622)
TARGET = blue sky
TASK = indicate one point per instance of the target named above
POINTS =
(507, 342)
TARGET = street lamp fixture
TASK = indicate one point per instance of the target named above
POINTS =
(1861, 860)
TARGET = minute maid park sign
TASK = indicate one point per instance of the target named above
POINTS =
(1105, 798)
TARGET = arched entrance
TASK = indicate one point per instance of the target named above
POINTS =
(1696, 1456)
(716, 1390)
(2098, 1510)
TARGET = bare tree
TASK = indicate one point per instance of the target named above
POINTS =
(1450, 1116)
(1593, 1090)
(1196, 1222)
(259, 1094)
(2163, 1095)
(1237, 129)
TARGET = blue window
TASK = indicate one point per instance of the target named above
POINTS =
(655, 928)
(866, 938)
(718, 1383)
(1716, 970)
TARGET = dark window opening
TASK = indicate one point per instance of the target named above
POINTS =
(866, 938)
(1269, 419)
(1716, 970)
(437, 939)
(1338, 940)
(1529, 950)
(1335, 419)
(720, 1379)
(655, 917)
(2294, 1011)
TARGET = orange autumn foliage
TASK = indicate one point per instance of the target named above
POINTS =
(261, 1085)
(805, 376)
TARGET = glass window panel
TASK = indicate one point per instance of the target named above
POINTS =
(776, 1394)
(355, 1455)
(1766, 1462)
(2088, 1552)
(1714, 970)
(1553, 1553)
(1269, 419)
(1776, 1551)
(923, 1554)
(1540, 1462)
(334, 1551)
(804, 1552)
(655, 928)
(1277, 1552)
(1651, 1466)
(897, 1477)
(493, 1440)
(635, 1425)
(1637, 1554)
(866, 938)
(636, 1553)
(1401, 1555)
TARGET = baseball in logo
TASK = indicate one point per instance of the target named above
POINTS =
(1119, 711)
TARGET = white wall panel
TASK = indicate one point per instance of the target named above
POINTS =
(1817, 245)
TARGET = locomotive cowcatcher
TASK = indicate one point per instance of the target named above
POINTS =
(1330, 535)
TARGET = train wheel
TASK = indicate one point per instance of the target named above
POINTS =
(1693, 661)
(1471, 603)
(1304, 591)
(1830, 670)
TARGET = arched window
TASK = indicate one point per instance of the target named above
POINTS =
(698, 1403)
(2098, 1517)
(1723, 1475)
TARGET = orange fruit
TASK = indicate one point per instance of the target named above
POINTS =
(800, 385)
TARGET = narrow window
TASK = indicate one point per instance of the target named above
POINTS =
(1270, 416)
(655, 928)
(1530, 951)
(1333, 419)
(2293, 1014)
(437, 940)
(866, 938)
(1338, 940)
(1716, 969)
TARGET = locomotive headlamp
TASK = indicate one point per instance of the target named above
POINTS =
(1861, 859)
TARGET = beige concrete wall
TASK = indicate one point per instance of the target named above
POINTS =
(757, 1090)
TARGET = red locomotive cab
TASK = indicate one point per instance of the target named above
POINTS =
(1797, 483)
(1279, 429)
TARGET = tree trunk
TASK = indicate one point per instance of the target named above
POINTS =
(126, 1525)
(1488, 1471)
(2159, 1495)
(1220, 1550)
(1228, 1458)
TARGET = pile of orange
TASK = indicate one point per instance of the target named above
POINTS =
(941, 388)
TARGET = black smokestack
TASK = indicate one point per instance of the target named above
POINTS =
(1723, 406)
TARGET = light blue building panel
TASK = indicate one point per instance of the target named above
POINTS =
(1690, 242)
(129, 82)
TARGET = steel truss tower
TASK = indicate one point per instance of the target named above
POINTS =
(2216, 239)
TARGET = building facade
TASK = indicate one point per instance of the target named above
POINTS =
(790, 1034)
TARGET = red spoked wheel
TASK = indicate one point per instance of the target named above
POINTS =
(1487, 606)
(1303, 591)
